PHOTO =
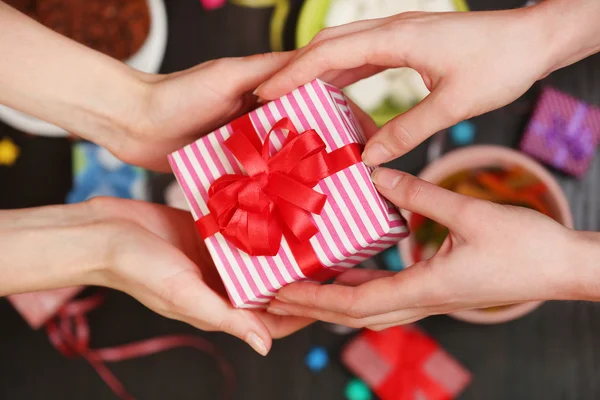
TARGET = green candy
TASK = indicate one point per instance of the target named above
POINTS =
(358, 390)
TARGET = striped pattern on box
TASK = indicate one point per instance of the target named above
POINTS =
(356, 222)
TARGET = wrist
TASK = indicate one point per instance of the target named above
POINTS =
(569, 28)
(581, 272)
(117, 112)
(51, 247)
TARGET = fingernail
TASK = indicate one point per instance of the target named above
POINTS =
(277, 311)
(257, 343)
(258, 89)
(376, 154)
(386, 178)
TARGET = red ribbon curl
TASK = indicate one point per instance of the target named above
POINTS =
(69, 332)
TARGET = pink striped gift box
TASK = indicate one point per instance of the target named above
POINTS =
(355, 224)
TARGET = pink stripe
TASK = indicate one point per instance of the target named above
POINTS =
(195, 178)
(340, 131)
(375, 195)
(324, 246)
(350, 204)
(204, 195)
(213, 156)
(238, 259)
(186, 189)
(325, 217)
(230, 159)
(257, 266)
(229, 270)
(338, 127)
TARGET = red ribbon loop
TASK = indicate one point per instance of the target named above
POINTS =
(276, 197)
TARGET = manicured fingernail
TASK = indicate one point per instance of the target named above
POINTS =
(277, 311)
(258, 89)
(376, 154)
(257, 343)
(386, 178)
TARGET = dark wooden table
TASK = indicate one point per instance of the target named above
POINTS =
(553, 353)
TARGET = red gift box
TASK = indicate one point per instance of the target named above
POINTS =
(403, 363)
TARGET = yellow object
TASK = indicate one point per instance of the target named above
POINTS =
(280, 14)
(9, 152)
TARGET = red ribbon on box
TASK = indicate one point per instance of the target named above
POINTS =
(276, 197)
(407, 350)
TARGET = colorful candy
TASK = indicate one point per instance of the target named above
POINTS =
(317, 358)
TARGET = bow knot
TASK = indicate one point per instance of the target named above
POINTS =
(276, 197)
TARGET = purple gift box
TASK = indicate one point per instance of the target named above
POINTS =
(563, 132)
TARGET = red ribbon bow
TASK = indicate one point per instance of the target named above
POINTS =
(276, 197)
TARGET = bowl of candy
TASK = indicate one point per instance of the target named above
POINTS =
(389, 93)
(493, 173)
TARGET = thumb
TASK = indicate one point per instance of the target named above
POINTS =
(242, 75)
(409, 129)
(424, 198)
(247, 326)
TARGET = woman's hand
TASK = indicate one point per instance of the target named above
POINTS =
(471, 62)
(139, 117)
(149, 251)
(179, 108)
(494, 255)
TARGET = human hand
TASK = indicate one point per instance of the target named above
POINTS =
(494, 255)
(472, 62)
(139, 117)
(149, 251)
(178, 108)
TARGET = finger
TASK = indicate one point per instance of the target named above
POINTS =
(338, 31)
(282, 326)
(382, 327)
(412, 288)
(284, 309)
(242, 75)
(396, 317)
(409, 129)
(357, 276)
(346, 52)
(201, 307)
(347, 77)
(365, 121)
(419, 196)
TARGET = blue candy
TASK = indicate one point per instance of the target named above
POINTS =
(317, 358)
(392, 260)
(463, 133)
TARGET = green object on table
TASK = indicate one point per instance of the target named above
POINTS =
(312, 20)
(357, 390)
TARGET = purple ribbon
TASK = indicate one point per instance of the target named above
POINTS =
(568, 139)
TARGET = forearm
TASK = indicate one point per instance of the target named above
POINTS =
(50, 247)
(58, 80)
(571, 28)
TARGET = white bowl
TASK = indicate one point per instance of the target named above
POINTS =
(147, 59)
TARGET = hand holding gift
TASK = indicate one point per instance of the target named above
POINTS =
(494, 255)
(471, 62)
(281, 195)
